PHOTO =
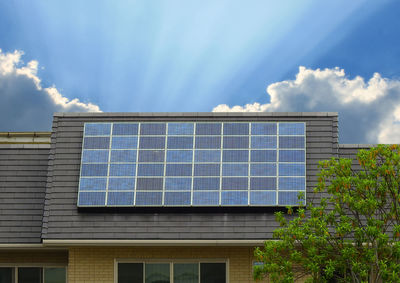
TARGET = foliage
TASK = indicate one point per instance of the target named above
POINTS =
(350, 229)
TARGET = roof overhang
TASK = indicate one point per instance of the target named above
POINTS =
(69, 243)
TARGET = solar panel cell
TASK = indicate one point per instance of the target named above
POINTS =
(208, 128)
(180, 128)
(292, 156)
(206, 198)
(94, 170)
(97, 129)
(207, 156)
(236, 128)
(92, 198)
(95, 156)
(151, 155)
(124, 142)
(235, 156)
(234, 198)
(96, 143)
(123, 156)
(122, 169)
(120, 198)
(125, 129)
(263, 128)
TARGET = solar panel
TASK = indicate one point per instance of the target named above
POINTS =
(192, 164)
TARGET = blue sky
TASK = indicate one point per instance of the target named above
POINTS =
(195, 55)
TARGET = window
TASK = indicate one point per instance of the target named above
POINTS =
(28, 274)
(171, 272)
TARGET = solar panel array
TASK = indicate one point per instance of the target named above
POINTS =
(192, 164)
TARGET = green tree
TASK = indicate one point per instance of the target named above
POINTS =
(349, 231)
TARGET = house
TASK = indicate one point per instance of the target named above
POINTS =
(153, 197)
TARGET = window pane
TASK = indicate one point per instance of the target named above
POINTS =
(153, 184)
(151, 155)
(96, 143)
(236, 142)
(235, 183)
(96, 156)
(130, 272)
(179, 184)
(179, 170)
(263, 142)
(291, 156)
(293, 183)
(6, 275)
(180, 142)
(263, 183)
(205, 198)
(121, 184)
(206, 183)
(122, 169)
(94, 170)
(124, 142)
(93, 184)
(125, 129)
(263, 198)
(292, 170)
(177, 198)
(180, 128)
(120, 198)
(206, 170)
(263, 128)
(235, 169)
(212, 273)
(236, 129)
(95, 129)
(151, 170)
(208, 142)
(291, 142)
(123, 156)
(179, 155)
(291, 128)
(186, 273)
(152, 142)
(263, 169)
(207, 156)
(234, 198)
(235, 156)
(144, 198)
(29, 275)
(55, 275)
(157, 272)
(263, 156)
(152, 128)
(208, 129)
(98, 198)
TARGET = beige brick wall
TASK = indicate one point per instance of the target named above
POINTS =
(96, 264)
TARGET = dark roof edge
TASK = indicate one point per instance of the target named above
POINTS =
(195, 114)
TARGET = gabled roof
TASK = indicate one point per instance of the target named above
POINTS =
(23, 175)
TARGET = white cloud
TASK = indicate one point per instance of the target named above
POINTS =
(369, 112)
(25, 105)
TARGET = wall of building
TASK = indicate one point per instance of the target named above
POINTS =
(96, 264)
(33, 257)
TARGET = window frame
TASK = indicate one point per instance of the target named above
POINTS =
(171, 264)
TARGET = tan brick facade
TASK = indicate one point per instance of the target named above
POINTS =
(96, 264)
